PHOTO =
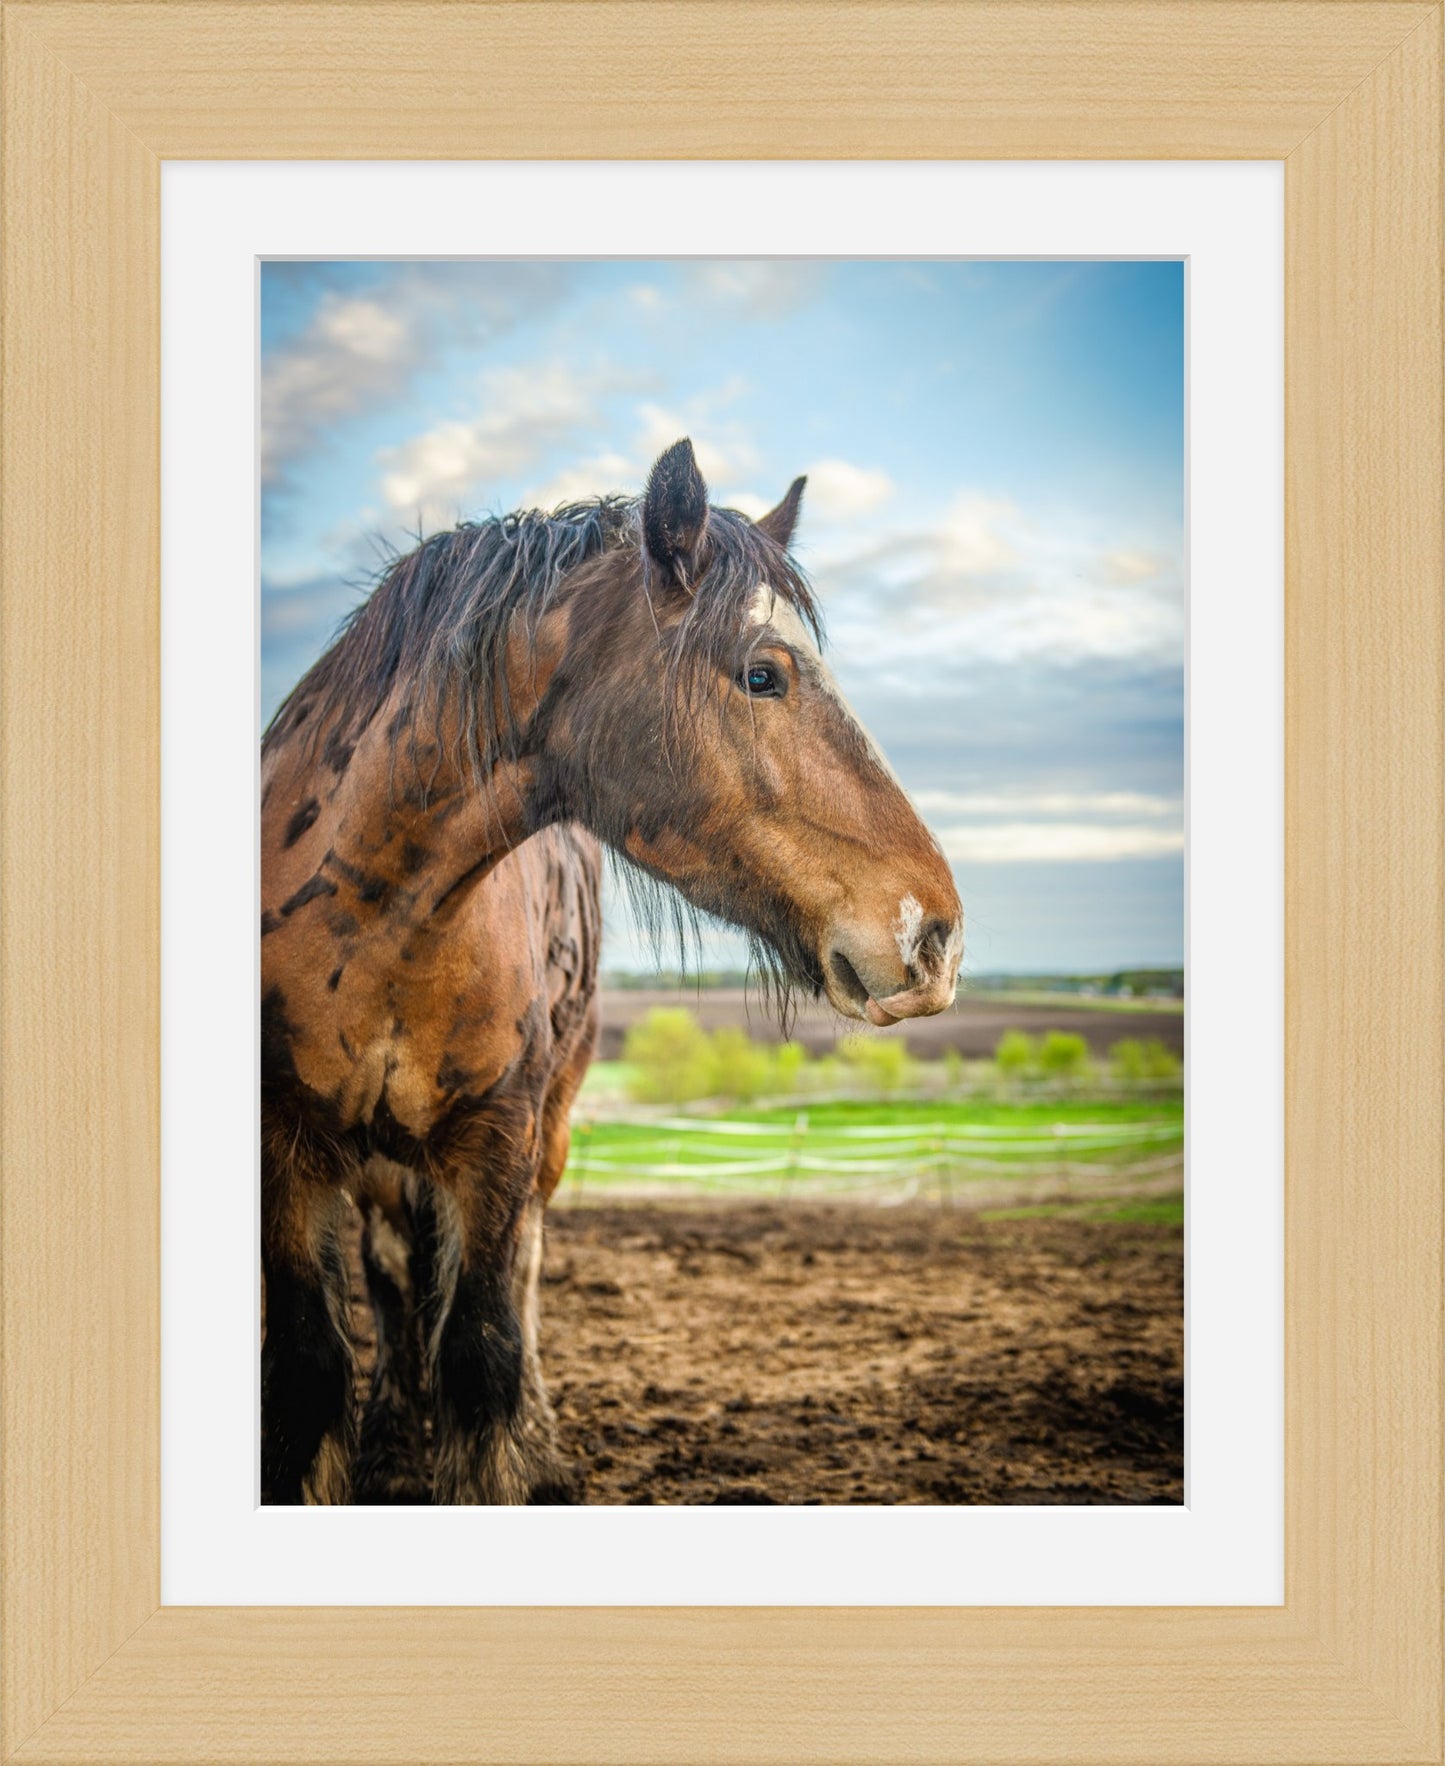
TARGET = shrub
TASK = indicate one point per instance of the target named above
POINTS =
(1127, 1059)
(1063, 1055)
(1132, 1059)
(1016, 1054)
(825, 1074)
(881, 1063)
(952, 1070)
(741, 1068)
(790, 1060)
(672, 1057)
(1163, 1062)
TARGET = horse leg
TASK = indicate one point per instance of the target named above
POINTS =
(475, 1350)
(307, 1423)
(391, 1457)
(552, 1480)
(494, 1431)
(547, 1475)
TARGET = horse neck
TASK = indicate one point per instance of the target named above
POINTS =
(411, 820)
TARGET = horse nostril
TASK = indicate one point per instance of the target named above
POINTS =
(847, 977)
(936, 935)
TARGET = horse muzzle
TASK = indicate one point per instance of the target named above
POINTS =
(917, 1002)
(897, 976)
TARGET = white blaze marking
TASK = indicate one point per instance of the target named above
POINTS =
(769, 608)
(910, 923)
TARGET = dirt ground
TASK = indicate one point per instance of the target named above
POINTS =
(770, 1353)
(971, 1026)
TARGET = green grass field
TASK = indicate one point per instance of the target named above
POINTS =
(1022, 1113)
(1146, 1211)
(885, 1145)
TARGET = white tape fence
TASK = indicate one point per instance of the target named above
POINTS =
(973, 1162)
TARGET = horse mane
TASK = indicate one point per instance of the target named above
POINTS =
(437, 621)
(432, 634)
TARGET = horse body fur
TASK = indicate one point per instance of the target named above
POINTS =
(426, 1008)
(417, 979)
(430, 930)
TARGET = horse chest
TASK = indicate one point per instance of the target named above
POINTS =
(403, 1060)
(385, 1082)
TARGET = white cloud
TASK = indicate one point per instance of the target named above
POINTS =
(970, 541)
(353, 352)
(947, 569)
(1034, 826)
(759, 288)
(596, 476)
(524, 412)
(363, 329)
(750, 504)
(1131, 566)
(360, 350)
(724, 453)
(1002, 843)
(1046, 803)
(840, 491)
(990, 583)
(1015, 621)
(1099, 624)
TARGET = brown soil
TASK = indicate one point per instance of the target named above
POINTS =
(767, 1353)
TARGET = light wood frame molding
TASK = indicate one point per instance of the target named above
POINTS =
(97, 93)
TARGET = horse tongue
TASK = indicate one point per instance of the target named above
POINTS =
(878, 1016)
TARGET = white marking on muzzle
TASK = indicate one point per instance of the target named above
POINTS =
(910, 924)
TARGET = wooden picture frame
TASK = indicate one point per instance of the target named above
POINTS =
(97, 93)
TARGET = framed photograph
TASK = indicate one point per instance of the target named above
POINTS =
(956, 517)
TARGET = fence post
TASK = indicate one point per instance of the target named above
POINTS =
(795, 1147)
(582, 1133)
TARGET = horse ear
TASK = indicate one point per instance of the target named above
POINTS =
(778, 524)
(674, 512)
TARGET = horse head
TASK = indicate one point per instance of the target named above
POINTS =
(694, 725)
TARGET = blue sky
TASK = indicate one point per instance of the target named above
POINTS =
(994, 520)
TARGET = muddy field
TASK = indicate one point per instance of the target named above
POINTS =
(971, 1026)
(765, 1353)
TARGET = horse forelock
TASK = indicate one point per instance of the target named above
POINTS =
(718, 624)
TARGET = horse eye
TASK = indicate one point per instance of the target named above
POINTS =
(759, 680)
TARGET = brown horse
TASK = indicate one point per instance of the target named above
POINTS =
(645, 674)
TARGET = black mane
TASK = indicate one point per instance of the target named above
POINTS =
(432, 633)
(436, 623)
